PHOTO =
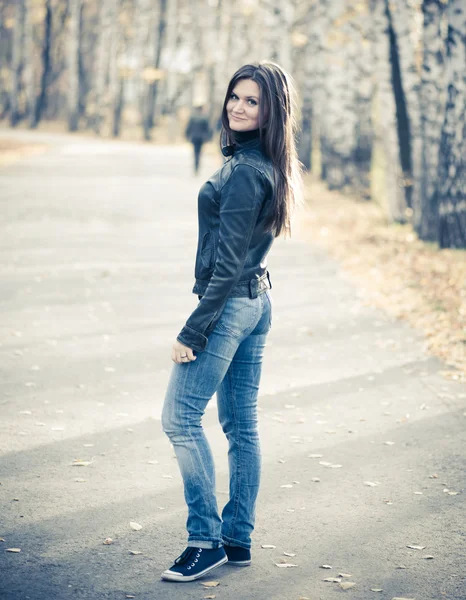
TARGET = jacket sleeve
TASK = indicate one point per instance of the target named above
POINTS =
(241, 199)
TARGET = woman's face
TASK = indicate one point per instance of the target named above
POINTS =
(243, 106)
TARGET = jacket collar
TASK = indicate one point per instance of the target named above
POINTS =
(243, 140)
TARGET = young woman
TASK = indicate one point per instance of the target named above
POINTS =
(241, 209)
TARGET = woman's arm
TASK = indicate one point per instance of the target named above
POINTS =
(240, 203)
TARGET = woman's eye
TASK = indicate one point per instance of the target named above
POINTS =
(233, 96)
(253, 102)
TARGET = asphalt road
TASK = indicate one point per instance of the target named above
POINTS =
(97, 244)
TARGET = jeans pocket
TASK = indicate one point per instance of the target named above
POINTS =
(239, 316)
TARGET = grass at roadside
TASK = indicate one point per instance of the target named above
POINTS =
(11, 150)
(393, 269)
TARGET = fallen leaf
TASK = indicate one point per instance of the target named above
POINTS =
(324, 463)
(210, 597)
(333, 579)
(152, 462)
(428, 556)
(289, 554)
(370, 483)
(287, 485)
(80, 480)
(88, 445)
(344, 575)
(376, 590)
(210, 583)
(25, 412)
(129, 596)
(415, 547)
(2, 539)
(325, 567)
(315, 479)
(81, 463)
(16, 550)
(346, 585)
(268, 546)
(135, 552)
(418, 493)
(108, 541)
(389, 443)
(135, 526)
(167, 476)
(401, 567)
(315, 455)
(336, 466)
(285, 565)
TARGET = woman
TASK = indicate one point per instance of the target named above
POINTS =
(241, 209)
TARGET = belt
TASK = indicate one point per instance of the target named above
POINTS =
(252, 288)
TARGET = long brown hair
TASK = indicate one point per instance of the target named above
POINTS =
(278, 127)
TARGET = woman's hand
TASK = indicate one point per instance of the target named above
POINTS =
(181, 353)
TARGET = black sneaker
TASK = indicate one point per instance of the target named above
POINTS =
(195, 563)
(237, 556)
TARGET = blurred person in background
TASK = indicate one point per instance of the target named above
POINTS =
(198, 132)
(242, 208)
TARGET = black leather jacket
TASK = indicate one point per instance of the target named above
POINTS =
(233, 244)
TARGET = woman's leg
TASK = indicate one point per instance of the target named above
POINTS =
(190, 388)
(237, 408)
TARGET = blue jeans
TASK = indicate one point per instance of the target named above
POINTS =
(231, 366)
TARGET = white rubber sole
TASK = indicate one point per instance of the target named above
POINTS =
(239, 563)
(174, 576)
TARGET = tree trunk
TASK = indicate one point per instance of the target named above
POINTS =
(432, 100)
(17, 63)
(46, 64)
(29, 80)
(346, 128)
(148, 122)
(73, 64)
(405, 30)
(452, 176)
(387, 185)
(107, 17)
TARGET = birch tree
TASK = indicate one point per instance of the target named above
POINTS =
(452, 175)
(73, 64)
(387, 179)
(432, 103)
(17, 62)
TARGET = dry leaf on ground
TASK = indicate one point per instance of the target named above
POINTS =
(285, 565)
(135, 526)
(415, 547)
(135, 552)
(268, 546)
(15, 550)
(346, 585)
(325, 567)
(333, 579)
(108, 541)
(210, 583)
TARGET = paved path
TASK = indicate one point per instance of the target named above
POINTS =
(97, 241)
